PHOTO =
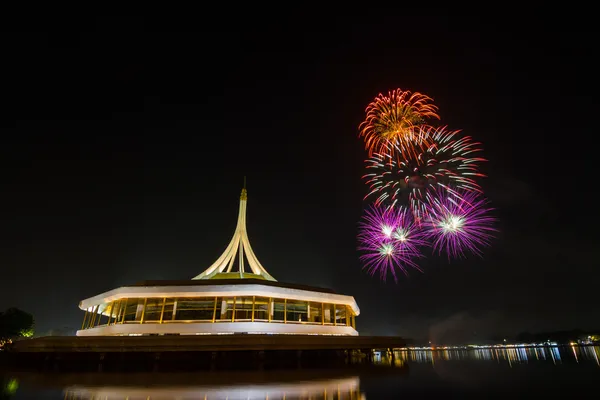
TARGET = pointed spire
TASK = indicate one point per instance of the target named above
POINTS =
(244, 195)
(240, 246)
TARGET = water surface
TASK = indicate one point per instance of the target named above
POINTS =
(541, 372)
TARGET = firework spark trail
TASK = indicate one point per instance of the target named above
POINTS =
(392, 119)
(390, 241)
(456, 225)
(422, 178)
(413, 175)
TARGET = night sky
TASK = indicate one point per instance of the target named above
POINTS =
(126, 141)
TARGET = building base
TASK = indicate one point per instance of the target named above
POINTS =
(188, 353)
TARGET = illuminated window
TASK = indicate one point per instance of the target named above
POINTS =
(153, 310)
(195, 309)
(117, 311)
(243, 309)
(102, 318)
(329, 313)
(133, 311)
(278, 310)
(297, 311)
(340, 314)
(314, 312)
(261, 309)
(170, 309)
(226, 307)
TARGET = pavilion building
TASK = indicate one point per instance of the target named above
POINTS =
(234, 295)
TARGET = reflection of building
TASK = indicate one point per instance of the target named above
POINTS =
(221, 300)
(342, 389)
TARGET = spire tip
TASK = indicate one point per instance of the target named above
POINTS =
(244, 195)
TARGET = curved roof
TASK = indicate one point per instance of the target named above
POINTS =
(221, 288)
(236, 281)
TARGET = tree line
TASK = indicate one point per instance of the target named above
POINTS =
(15, 324)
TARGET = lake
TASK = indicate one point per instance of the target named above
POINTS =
(545, 372)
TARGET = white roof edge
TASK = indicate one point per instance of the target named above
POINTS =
(218, 290)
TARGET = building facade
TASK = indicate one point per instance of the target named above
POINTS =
(221, 300)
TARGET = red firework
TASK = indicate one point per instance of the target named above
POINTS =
(391, 120)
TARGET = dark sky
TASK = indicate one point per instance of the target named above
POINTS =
(126, 140)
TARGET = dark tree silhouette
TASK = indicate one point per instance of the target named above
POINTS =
(15, 323)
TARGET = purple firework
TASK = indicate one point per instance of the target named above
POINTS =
(459, 223)
(389, 240)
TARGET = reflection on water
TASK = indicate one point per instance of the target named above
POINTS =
(554, 354)
(342, 389)
(449, 373)
(248, 385)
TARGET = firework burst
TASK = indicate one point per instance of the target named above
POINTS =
(393, 118)
(390, 241)
(459, 224)
(413, 174)
(423, 185)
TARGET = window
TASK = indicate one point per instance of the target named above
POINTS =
(340, 314)
(243, 308)
(117, 311)
(153, 310)
(314, 312)
(278, 306)
(102, 317)
(170, 309)
(226, 306)
(261, 308)
(133, 311)
(195, 309)
(297, 311)
(329, 313)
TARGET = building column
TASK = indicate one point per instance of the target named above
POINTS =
(233, 311)
(215, 310)
(118, 302)
(109, 310)
(124, 310)
(84, 319)
(162, 311)
(144, 310)
(93, 318)
(270, 308)
(335, 315)
(138, 310)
